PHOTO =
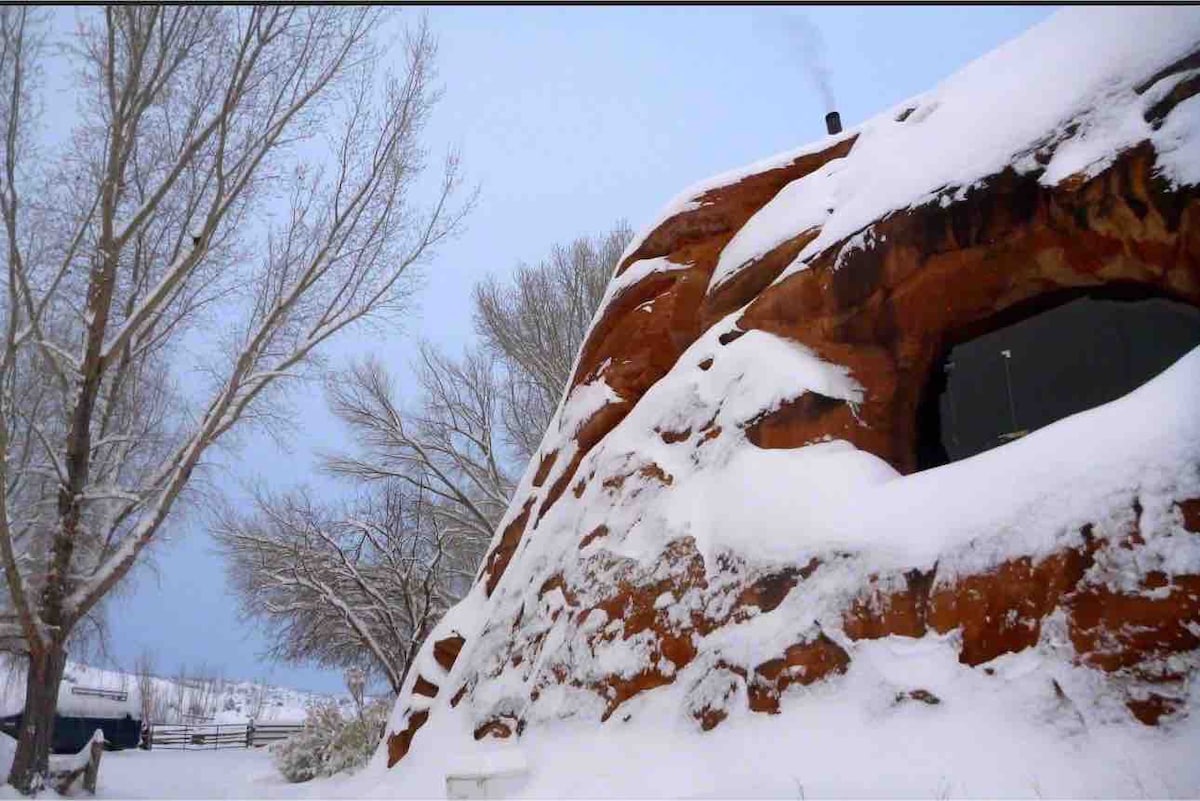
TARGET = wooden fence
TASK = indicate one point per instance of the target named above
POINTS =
(214, 736)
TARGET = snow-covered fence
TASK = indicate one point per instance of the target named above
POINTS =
(214, 736)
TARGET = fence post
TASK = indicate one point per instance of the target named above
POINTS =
(250, 733)
(217, 737)
(92, 771)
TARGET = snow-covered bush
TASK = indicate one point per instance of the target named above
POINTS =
(331, 743)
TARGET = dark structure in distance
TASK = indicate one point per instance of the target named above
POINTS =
(81, 711)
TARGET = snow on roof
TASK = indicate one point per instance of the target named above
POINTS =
(1074, 77)
(86, 702)
(73, 704)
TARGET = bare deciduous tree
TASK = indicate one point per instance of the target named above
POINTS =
(449, 445)
(203, 692)
(535, 322)
(239, 168)
(256, 700)
(179, 694)
(356, 682)
(360, 585)
(150, 697)
(360, 588)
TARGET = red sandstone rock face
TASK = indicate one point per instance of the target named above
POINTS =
(399, 742)
(802, 663)
(445, 653)
(945, 272)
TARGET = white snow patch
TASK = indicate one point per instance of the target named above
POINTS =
(636, 272)
(804, 203)
(583, 402)
(1082, 65)
(1178, 144)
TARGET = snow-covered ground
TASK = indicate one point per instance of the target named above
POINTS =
(232, 773)
(235, 773)
(1006, 735)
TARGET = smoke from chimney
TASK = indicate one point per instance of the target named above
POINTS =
(810, 45)
(798, 36)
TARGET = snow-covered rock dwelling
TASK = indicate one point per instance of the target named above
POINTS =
(750, 558)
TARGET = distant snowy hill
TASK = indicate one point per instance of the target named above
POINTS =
(723, 573)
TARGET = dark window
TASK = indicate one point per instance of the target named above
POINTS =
(1015, 379)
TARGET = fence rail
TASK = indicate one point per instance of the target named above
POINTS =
(215, 736)
(267, 733)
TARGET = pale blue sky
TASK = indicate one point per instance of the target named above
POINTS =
(569, 119)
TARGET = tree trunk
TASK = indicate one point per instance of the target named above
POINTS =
(32, 761)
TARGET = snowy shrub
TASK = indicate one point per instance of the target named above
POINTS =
(353, 745)
(331, 743)
(301, 756)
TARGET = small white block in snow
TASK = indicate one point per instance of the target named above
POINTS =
(486, 774)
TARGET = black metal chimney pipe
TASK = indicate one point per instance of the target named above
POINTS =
(833, 123)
